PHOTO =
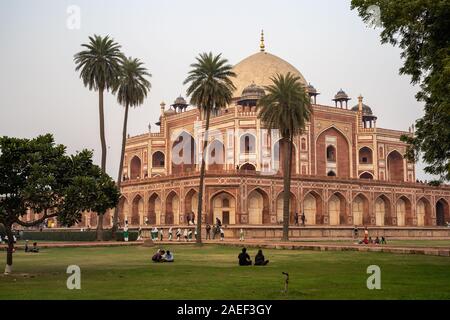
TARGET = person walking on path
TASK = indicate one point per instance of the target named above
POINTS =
(170, 234)
(303, 219)
(241, 235)
(178, 234)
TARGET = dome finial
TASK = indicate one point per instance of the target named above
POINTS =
(262, 45)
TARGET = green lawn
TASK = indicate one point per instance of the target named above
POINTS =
(211, 272)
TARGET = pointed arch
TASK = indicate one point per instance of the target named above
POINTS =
(403, 211)
(183, 153)
(365, 155)
(137, 210)
(154, 209)
(442, 212)
(360, 210)
(293, 208)
(383, 215)
(223, 206)
(395, 166)
(247, 167)
(366, 175)
(280, 150)
(172, 214)
(135, 168)
(215, 155)
(247, 142)
(124, 207)
(190, 205)
(337, 209)
(312, 208)
(333, 153)
(423, 212)
(158, 159)
(258, 207)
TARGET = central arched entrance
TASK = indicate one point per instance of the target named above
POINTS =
(292, 208)
(258, 207)
(395, 166)
(223, 207)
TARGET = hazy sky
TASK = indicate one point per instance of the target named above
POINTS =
(40, 91)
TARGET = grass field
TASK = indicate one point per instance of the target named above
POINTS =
(211, 272)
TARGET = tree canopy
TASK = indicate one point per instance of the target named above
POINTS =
(421, 29)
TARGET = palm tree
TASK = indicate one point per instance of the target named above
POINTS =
(99, 67)
(210, 89)
(131, 89)
(286, 107)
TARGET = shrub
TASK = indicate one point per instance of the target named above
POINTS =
(74, 235)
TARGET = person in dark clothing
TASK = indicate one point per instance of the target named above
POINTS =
(295, 220)
(158, 256)
(260, 260)
(303, 219)
(218, 222)
(208, 232)
(244, 258)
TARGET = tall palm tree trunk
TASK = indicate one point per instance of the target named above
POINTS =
(102, 127)
(119, 176)
(103, 166)
(287, 191)
(202, 178)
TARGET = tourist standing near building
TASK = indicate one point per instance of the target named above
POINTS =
(189, 235)
(208, 232)
(296, 219)
(170, 234)
(161, 234)
(222, 234)
(185, 233)
(125, 231)
(178, 234)
(241, 235)
(303, 219)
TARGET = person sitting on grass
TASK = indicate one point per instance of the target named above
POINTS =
(260, 260)
(377, 240)
(158, 256)
(244, 258)
(168, 257)
(35, 248)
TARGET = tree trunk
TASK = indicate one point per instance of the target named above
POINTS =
(202, 178)
(9, 252)
(287, 191)
(100, 226)
(119, 177)
(102, 127)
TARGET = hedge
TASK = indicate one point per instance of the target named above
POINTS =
(74, 235)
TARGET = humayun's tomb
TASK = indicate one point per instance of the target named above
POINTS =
(346, 170)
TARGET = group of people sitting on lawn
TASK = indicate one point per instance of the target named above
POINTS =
(33, 249)
(244, 258)
(163, 256)
(367, 239)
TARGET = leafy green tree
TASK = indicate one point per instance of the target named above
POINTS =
(36, 175)
(210, 89)
(131, 89)
(421, 29)
(285, 107)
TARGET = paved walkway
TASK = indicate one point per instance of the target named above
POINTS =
(267, 244)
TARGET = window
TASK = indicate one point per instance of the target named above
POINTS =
(331, 154)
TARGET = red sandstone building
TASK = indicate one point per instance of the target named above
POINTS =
(346, 170)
